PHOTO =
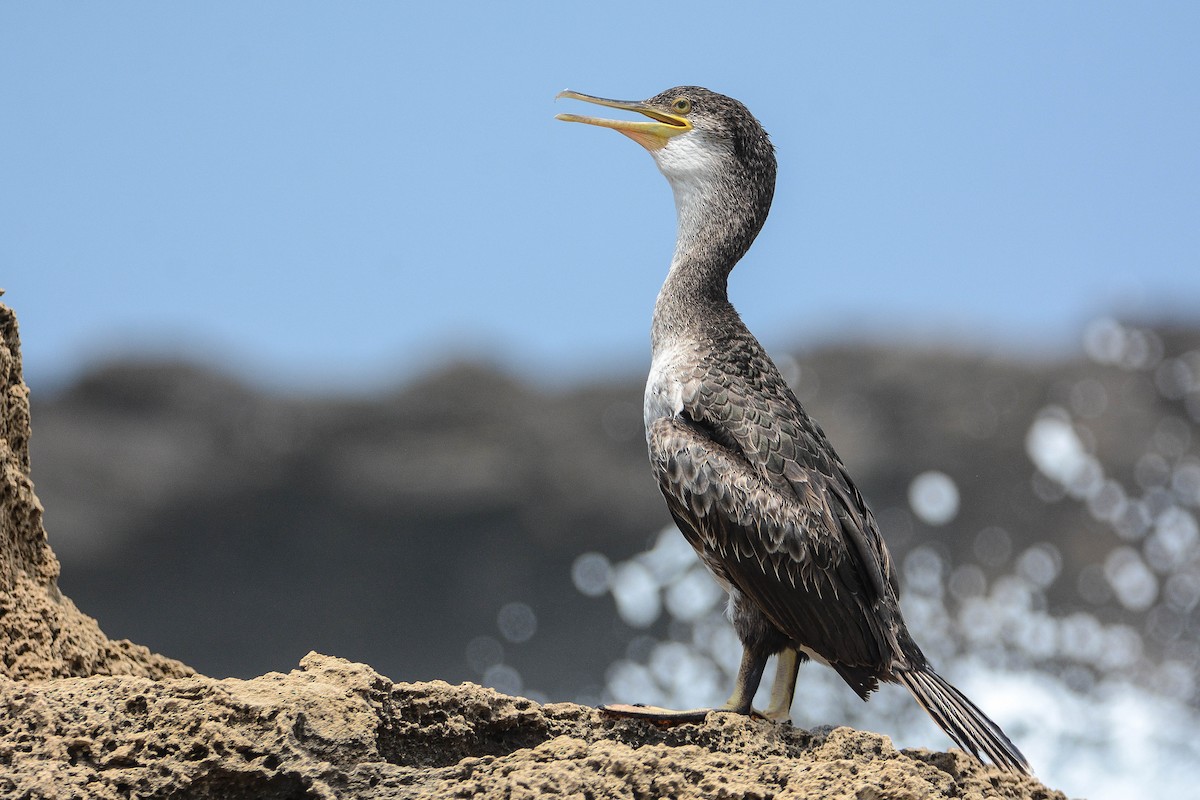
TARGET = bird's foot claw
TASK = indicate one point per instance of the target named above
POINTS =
(774, 715)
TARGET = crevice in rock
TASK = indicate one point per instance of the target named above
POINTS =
(224, 784)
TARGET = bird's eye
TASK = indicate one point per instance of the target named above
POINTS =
(682, 105)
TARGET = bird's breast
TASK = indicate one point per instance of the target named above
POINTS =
(672, 365)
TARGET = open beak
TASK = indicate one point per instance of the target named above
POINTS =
(650, 135)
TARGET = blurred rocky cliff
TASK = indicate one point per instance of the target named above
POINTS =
(436, 531)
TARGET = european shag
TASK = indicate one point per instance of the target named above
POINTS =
(749, 477)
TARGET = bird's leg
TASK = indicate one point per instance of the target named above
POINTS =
(787, 665)
(749, 675)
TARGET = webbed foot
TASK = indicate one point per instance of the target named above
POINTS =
(657, 714)
(668, 716)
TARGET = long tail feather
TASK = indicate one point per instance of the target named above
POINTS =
(962, 720)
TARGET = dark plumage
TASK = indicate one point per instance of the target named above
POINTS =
(749, 477)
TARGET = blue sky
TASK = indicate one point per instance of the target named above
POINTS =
(334, 195)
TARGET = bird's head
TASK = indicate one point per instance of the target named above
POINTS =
(694, 134)
(717, 158)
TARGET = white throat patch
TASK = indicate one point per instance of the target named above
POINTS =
(692, 163)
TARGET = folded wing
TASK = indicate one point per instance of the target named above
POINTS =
(783, 545)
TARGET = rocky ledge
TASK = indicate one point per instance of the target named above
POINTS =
(338, 729)
(82, 716)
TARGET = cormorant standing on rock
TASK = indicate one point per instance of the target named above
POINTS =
(750, 479)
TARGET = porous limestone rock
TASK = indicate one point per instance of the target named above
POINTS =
(42, 633)
(85, 717)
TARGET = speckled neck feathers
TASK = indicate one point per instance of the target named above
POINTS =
(723, 188)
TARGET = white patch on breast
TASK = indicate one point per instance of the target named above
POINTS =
(664, 389)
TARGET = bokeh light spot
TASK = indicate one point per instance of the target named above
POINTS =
(1151, 470)
(636, 593)
(1040, 564)
(693, 595)
(1182, 591)
(1055, 448)
(1175, 540)
(517, 622)
(503, 679)
(591, 574)
(1173, 378)
(1132, 581)
(1108, 501)
(1122, 647)
(484, 652)
(933, 496)
(923, 569)
(1185, 482)
(1082, 637)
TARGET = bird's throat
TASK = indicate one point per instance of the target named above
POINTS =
(716, 228)
(721, 202)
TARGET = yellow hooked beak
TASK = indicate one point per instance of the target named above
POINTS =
(650, 135)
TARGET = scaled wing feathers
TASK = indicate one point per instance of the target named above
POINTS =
(784, 548)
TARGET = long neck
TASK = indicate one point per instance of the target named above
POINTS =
(718, 221)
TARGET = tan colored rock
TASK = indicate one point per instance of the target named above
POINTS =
(85, 717)
(42, 633)
(337, 729)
